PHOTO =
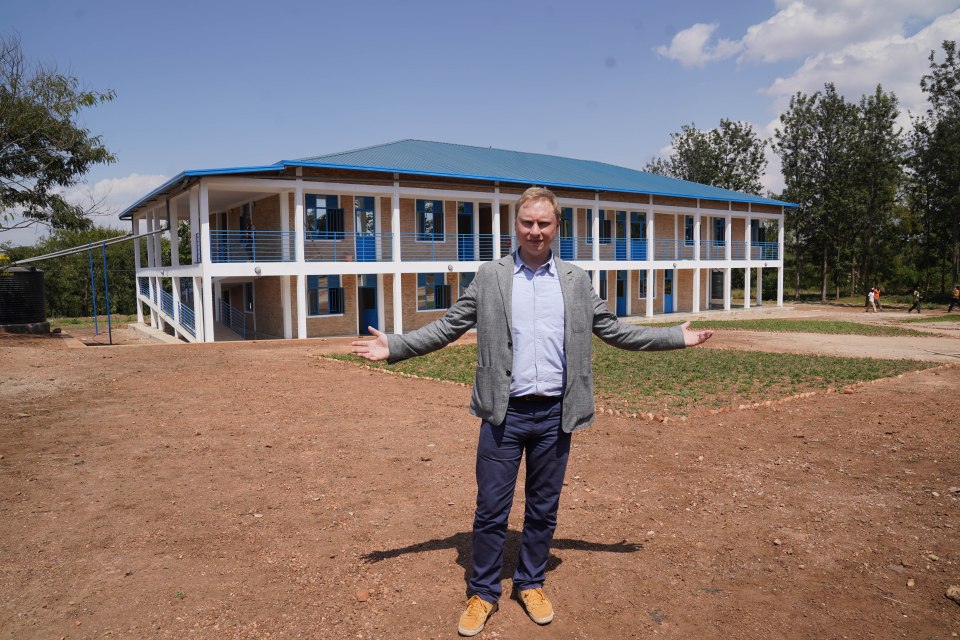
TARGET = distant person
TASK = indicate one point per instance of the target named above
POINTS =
(535, 316)
(871, 303)
(876, 299)
(955, 299)
(916, 300)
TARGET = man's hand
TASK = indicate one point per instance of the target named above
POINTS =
(690, 338)
(376, 349)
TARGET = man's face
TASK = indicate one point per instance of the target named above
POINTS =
(536, 227)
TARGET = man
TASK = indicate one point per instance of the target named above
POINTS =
(533, 387)
(916, 300)
(955, 298)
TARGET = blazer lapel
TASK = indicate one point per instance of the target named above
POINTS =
(505, 280)
(565, 272)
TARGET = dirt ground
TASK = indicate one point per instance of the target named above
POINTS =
(253, 490)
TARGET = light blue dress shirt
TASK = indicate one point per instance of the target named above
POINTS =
(539, 361)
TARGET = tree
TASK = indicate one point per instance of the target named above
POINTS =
(42, 148)
(730, 157)
(935, 157)
(816, 145)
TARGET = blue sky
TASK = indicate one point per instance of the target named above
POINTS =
(217, 84)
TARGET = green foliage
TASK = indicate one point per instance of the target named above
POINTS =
(834, 327)
(730, 157)
(42, 148)
(67, 280)
(935, 164)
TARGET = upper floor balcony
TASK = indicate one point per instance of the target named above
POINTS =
(338, 246)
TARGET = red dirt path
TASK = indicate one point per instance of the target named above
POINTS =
(254, 491)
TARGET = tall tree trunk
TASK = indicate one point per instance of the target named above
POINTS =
(823, 277)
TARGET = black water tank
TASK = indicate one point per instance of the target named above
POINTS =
(21, 296)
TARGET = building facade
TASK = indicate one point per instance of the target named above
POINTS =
(390, 236)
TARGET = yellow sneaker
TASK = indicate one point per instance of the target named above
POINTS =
(537, 605)
(475, 616)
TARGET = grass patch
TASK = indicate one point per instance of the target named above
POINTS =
(684, 381)
(115, 318)
(835, 327)
(950, 317)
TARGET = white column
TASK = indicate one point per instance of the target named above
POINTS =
(512, 223)
(207, 307)
(728, 238)
(195, 249)
(287, 305)
(198, 309)
(381, 310)
(174, 222)
(476, 232)
(299, 239)
(726, 286)
(284, 229)
(696, 235)
(135, 230)
(676, 238)
(575, 231)
(595, 247)
(627, 285)
(301, 306)
(780, 257)
(149, 221)
(651, 242)
(204, 212)
(696, 290)
(157, 244)
(651, 280)
(397, 282)
(759, 286)
(495, 222)
(748, 222)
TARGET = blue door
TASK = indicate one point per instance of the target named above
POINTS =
(638, 235)
(621, 293)
(367, 303)
(566, 234)
(620, 248)
(465, 231)
(668, 291)
(366, 220)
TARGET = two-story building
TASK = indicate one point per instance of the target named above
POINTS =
(390, 236)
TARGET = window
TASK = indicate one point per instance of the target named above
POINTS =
(364, 211)
(566, 222)
(430, 220)
(719, 230)
(688, 230)
(432, 292)
(642, 289)
(606, 227)
(603, 284)
(758, 233)
(324, 296)
(324, 220)
(465, 280)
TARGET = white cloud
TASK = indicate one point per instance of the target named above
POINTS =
(811, 27)
(692, 47)
(113, 195)
(895, 62)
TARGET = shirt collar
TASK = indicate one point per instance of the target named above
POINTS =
(549, 267)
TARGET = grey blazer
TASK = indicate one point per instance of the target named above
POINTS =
(487, 303)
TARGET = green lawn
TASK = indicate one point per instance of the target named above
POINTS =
(115, 318)
(680, 382)
(950, 317)
(837, 327)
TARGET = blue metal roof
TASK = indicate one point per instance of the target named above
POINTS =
(484, 163)
(442, 159)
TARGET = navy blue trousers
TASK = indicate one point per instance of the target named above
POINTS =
(532, 428)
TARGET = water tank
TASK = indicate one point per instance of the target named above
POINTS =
(21, 299)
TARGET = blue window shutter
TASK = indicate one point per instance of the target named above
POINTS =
(333, 281)
(313, 282)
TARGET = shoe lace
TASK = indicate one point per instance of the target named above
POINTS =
(535, 596)
(476, 608)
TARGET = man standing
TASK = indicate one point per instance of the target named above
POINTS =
(534, 315)
(955, 298)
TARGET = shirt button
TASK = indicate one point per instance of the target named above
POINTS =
(508, 372)
(510, 345)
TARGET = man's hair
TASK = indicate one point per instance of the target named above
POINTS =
(539, 193)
